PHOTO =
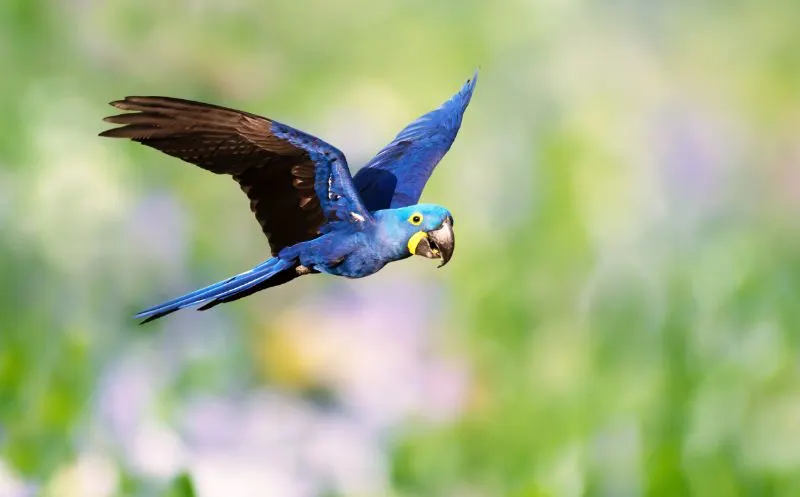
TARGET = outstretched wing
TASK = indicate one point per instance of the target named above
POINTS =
(298, 185)
(396, 176)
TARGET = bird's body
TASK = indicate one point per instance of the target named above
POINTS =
(317, 218)
(359, 253)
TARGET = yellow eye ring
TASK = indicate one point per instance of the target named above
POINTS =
(415, 219)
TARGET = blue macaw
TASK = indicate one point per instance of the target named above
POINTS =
(316, 217)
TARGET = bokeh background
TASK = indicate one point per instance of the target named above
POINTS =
(621, 318)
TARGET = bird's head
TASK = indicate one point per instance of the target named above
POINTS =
(422, 229)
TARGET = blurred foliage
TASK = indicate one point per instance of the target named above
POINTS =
(623, 307)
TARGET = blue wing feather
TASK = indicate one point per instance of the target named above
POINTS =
(333, 183)
(396, 176)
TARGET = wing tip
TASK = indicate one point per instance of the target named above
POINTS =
(110, 133)
(125, 103)
(120, 132)
(469, 86)
(142, 103)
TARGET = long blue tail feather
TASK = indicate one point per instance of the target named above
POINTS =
(222, 291)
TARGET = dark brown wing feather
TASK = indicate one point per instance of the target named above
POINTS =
(277, 177)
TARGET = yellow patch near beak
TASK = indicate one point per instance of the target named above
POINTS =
(414, 241)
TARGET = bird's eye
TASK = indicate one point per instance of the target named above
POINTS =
(415, 219)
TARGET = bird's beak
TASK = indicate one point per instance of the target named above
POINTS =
(436, 244)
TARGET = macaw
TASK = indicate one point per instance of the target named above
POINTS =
(317, 217)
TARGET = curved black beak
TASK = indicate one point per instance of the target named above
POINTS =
(439, 243)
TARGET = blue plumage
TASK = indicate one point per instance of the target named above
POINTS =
(333, 184)
(396, 176)
(317, 218)
(219, 291)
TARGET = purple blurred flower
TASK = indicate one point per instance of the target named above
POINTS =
(694, 147)
(126, 415)
(279, 445)
(158, 230)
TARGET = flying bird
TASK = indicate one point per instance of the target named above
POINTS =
(317, 217)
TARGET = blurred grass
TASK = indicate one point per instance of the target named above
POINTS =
(625, 186)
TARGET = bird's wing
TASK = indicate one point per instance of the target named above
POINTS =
(298, 185)
(396, 176)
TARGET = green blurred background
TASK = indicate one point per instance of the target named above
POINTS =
(621, 318)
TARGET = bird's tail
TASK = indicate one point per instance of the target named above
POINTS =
(269, 273)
